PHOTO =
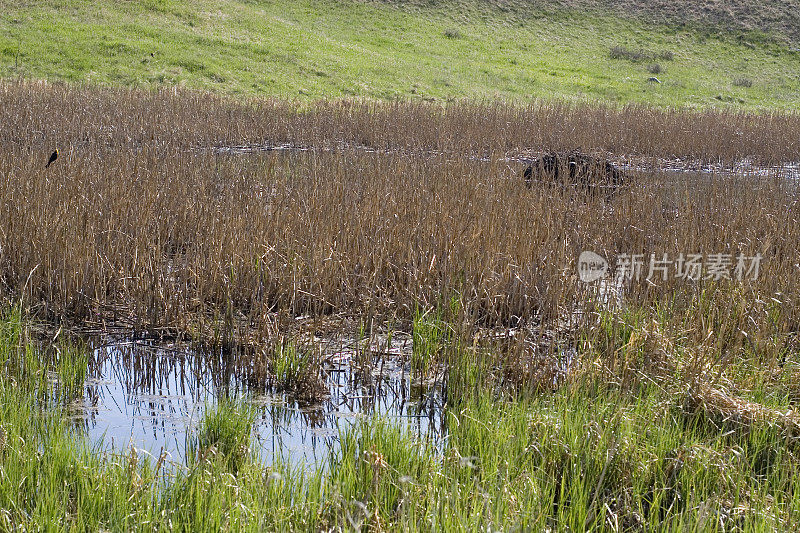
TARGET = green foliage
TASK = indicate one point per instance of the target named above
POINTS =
(590, 455)
(316, 49)
(295, 368)
(431, 336)
(224, 435)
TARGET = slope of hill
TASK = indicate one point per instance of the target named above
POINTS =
(514, 50)
(774, 19)
(779, 19)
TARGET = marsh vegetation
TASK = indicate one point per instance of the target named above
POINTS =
(660, 403)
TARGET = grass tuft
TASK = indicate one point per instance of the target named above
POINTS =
(224, 435)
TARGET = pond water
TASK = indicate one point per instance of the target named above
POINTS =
(151, 396)
(746, 167)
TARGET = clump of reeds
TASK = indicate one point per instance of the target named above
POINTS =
(430, 335)
(296, 370)
(224, 434)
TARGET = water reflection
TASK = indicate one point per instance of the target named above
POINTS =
(150, 396)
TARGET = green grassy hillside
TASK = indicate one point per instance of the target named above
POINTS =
(313, 49)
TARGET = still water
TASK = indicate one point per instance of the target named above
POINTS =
(152, 396)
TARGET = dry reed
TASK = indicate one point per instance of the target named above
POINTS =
(142, 222)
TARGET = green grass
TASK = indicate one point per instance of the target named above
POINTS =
(430, 335)
(590, 456)
(316, 49)
(225, 431)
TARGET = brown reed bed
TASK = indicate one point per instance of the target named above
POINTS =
(137, 225)
(38, 115)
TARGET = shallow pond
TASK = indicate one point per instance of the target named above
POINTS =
(151, 396)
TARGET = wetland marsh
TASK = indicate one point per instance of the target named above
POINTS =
(384, 327)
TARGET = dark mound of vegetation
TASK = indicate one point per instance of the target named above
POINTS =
(582, 171)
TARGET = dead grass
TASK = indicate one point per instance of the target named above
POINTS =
(141, 222)
(732, 412)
